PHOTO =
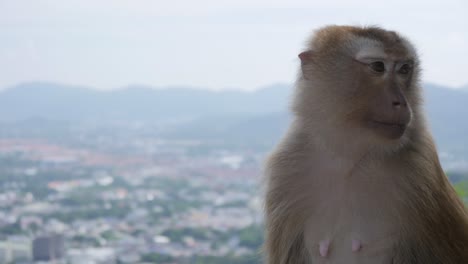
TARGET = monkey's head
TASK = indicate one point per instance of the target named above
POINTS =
(362, 82)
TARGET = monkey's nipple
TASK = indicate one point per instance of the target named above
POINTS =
(355, 245)
(323, 248)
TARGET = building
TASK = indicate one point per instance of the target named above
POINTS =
(49, 247)
(14, 251)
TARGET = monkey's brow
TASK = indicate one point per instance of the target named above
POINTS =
(367, 59)
(405, 61)
(376, 58)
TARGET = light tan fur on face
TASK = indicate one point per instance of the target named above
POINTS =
(365, 47)
(340, 191)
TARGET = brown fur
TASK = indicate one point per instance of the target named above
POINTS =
(332, 177)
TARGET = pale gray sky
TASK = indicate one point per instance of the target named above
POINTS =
(207, 43)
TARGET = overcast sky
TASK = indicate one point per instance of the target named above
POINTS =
(212, 44)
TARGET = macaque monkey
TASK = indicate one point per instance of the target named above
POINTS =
(357, 178)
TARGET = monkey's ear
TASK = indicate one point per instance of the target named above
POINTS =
(306, 56)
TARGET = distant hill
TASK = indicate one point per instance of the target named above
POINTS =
(260, 116)
(58, 102)
(447, 111)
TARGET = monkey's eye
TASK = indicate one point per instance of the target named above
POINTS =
(377, 66)
(405, 69)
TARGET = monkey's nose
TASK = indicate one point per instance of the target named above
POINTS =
(399, 103)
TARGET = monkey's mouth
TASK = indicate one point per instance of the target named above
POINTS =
(389, 124)
(392, 130)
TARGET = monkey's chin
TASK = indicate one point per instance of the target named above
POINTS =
(392, 131)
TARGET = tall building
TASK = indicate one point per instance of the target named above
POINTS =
(49, 247)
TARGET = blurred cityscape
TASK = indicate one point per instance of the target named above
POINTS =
(101, 199)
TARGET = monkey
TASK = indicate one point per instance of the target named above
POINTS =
(357, 178)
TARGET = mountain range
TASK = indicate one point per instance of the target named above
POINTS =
(261, 115)
(61, 102)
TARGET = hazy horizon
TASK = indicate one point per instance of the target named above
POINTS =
(191, 87)
(208, 44)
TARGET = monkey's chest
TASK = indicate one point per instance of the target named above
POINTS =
(352, 222)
